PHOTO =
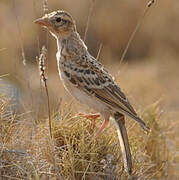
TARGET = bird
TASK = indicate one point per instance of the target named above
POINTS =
(88, 81)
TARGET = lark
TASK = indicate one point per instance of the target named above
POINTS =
(88, 81)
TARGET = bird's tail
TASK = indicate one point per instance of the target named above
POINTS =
(141, 123)
(124, 143)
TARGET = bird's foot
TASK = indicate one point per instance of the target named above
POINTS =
(93, 117)
(101, 128)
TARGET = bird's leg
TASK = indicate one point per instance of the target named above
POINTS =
(93, 117)
(102, 127)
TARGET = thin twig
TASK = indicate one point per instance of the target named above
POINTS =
(45, 9)
(45, 6)
(89, 17)
(99, 51)
(40, 96)
(20, 35)
(43, 77)
(149, 4)
(35, 14)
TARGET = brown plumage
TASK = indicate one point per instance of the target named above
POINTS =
(87, 80)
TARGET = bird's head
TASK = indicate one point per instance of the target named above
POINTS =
(59, 23)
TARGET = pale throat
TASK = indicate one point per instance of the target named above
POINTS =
(59, 40)
(59, 45)
(59, 48)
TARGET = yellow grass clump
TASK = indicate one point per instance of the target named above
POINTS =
(28, 152)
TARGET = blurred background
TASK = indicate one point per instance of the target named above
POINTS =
(149, 72)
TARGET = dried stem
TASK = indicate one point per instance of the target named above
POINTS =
(45, 6)
(35, 14)
(20, 35)
(149, 4)
(89, 17)
(46, 11)
(43, 78)
(99, 51)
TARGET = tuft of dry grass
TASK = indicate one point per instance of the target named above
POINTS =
(75, 154)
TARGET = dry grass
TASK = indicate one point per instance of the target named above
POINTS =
(77, 154)
(27, 151)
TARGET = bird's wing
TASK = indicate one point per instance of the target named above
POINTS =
(92, 78)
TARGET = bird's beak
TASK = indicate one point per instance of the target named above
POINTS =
(44, 21)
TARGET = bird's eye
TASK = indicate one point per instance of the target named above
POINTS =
(58, 19)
